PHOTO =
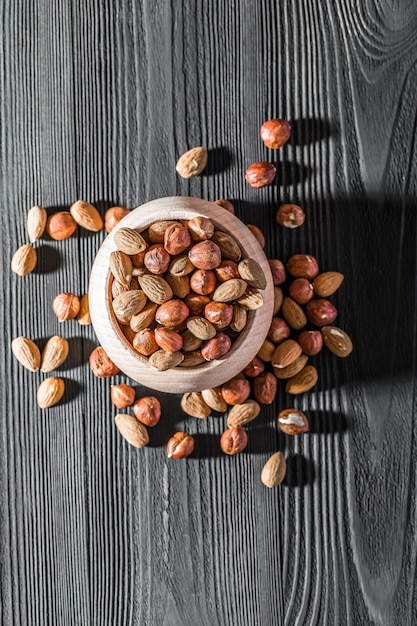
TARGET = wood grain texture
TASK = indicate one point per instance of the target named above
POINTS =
(97, 102)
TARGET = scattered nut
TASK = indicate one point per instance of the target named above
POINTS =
(24, 260)
(274, 470)
(66, 306)
(192, 163)
(260, 174)
(180, 446)
(147, 410)
(101, 365)
(275, 133)
(293, 422)
(234, 440)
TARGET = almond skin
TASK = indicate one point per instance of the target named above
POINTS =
(132, 430)
(194, 404)
(86, 215)
(66, 306)
(36, 222)
(241, 414)
(27, 353)
(292, 369)
(24, 260)
(156, 288)
(252, 273)
(214, 399)
(54, 353)
(286, 353)
(162, 361)
(337, 341)
(230, 290)
(274, 470)
(50, 392)
(303, 381)
(328, 283)
(121, 267)
(192, 162)
(129, 241)
(293, 314)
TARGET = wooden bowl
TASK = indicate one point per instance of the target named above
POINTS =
(106, 327)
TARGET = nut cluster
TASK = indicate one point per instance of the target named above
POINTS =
(181, 291)
(146, 413)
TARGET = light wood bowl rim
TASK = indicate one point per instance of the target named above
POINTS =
(106, 327)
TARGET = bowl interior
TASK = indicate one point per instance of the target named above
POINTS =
(106, 326)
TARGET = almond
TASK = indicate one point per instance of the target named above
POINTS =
(292, 369)
(180, 285)
(252, 273)
(266, 351)
(251, 300)
(303, 381)
(239, 319)
(156, 231)
(286, 353)
(156, 288)
(337, 341)
(230, 290)
(293, 314)
(193, 404)
(214, 399)
(292, 422)
(36, 222)
(229, 247)
(132, 430)
(54, 353)
(192, 162)
(121, 267)
(244, 413)
(129, 241)
(129, 303)
(24, 260)
(162, 361)
(145, 317)
(181, 266)
(274, 470)
(27, 353)
(326, 284)
(192, 359)
(190, 341)
(50, 392)
(201, 328)
(86, 216)
(83, 316)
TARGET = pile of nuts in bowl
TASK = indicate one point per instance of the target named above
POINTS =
(181, 291)
(181, 294)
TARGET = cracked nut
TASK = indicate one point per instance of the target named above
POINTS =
(180, 446)
(290, 216)
(292, 422)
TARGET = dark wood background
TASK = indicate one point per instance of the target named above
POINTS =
(98, 100)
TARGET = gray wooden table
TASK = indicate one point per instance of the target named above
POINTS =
(98, 100)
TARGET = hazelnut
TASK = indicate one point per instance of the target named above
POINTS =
(260, 174)
(157, 259)
(301, 290)
(101, 365)
(61, 225)
(156, 231)
(203, 282)
(290, 216)
(113, 216)
(265, 388)
(181, 266)
(205, 255)
(144, 342)
(122, 395)
(303, 266)
(258, 234)
(292, 422)
(321, 312)
(180, 445)
(66, 306)
(275, 133)
(254, 368)
(176, 239)
(200, 228)
(216, 347)
(227, 270)
(169, 340)
(279, 330)
(117, 288)
(138, 259)
(196, 303)
(311, 342)
(236, 390)
(147, 410)
(234, 440)
(278, 271)
(218, 313)
(172, 313)
(226, 204)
